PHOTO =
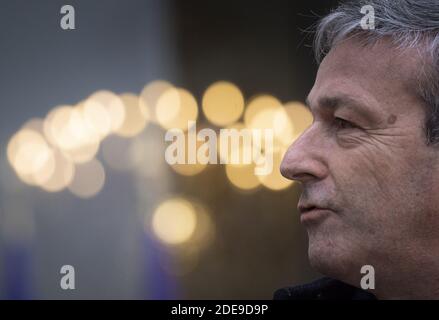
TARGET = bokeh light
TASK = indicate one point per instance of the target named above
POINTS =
(185, 258)
(242, 176)
(107, 102)
(150, 95)
(267, 112)
(88, 180)
(137, 116)
(62, 175)
(96, 117)
(258, 105)
(175, 108)
(31, 157)
(174, 221)
(274, 180)
(223, 103)
(55, 122)
(44, 156)
(300, 116)
(66, 128)
(74, 135)
(238, 157)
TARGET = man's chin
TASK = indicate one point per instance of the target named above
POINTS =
(326, 258)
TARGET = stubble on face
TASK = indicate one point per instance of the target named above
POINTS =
(380, 176)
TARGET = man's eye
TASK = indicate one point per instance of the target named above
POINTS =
(344, 124)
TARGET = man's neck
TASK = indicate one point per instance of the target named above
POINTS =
(416, 278)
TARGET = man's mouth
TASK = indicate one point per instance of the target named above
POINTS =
(311, 213)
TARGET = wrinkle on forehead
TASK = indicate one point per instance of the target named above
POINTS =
(380, 57)
(378, 72)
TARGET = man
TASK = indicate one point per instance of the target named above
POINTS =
(369, 163)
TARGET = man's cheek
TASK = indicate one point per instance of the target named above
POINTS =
(371, 169)
(355, 175)
(357, 195)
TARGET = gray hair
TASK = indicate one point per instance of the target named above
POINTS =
(409, 24)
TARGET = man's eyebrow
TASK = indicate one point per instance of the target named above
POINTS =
(334, 102)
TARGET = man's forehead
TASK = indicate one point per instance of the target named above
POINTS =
(371, 75)
(381, 58)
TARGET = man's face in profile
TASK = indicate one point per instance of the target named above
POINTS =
(365, 161)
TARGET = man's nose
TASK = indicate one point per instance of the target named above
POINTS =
(305, 160)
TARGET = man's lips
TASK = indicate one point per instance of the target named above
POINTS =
(303, 208)
(310, 213)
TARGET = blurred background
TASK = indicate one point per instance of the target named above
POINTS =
(83, 176)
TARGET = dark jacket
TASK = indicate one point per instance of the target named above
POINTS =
(323, 289)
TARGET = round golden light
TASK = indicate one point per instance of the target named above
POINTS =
(283, 127)
(76, 139)
(300, 116)
(30, 156)
(110, 103)
(223, 103)
(150, 95)
(257, 105)
(186, 257)
(88, 180)
(136, 116)
(39, 159)
(62, 175)
(274, 180)
(96, 117)
(67, 129)
(174, 221)
(83, 152)
(55, 124)
(22, 137)
(266, 112)
(175, 108)
(242, 176)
